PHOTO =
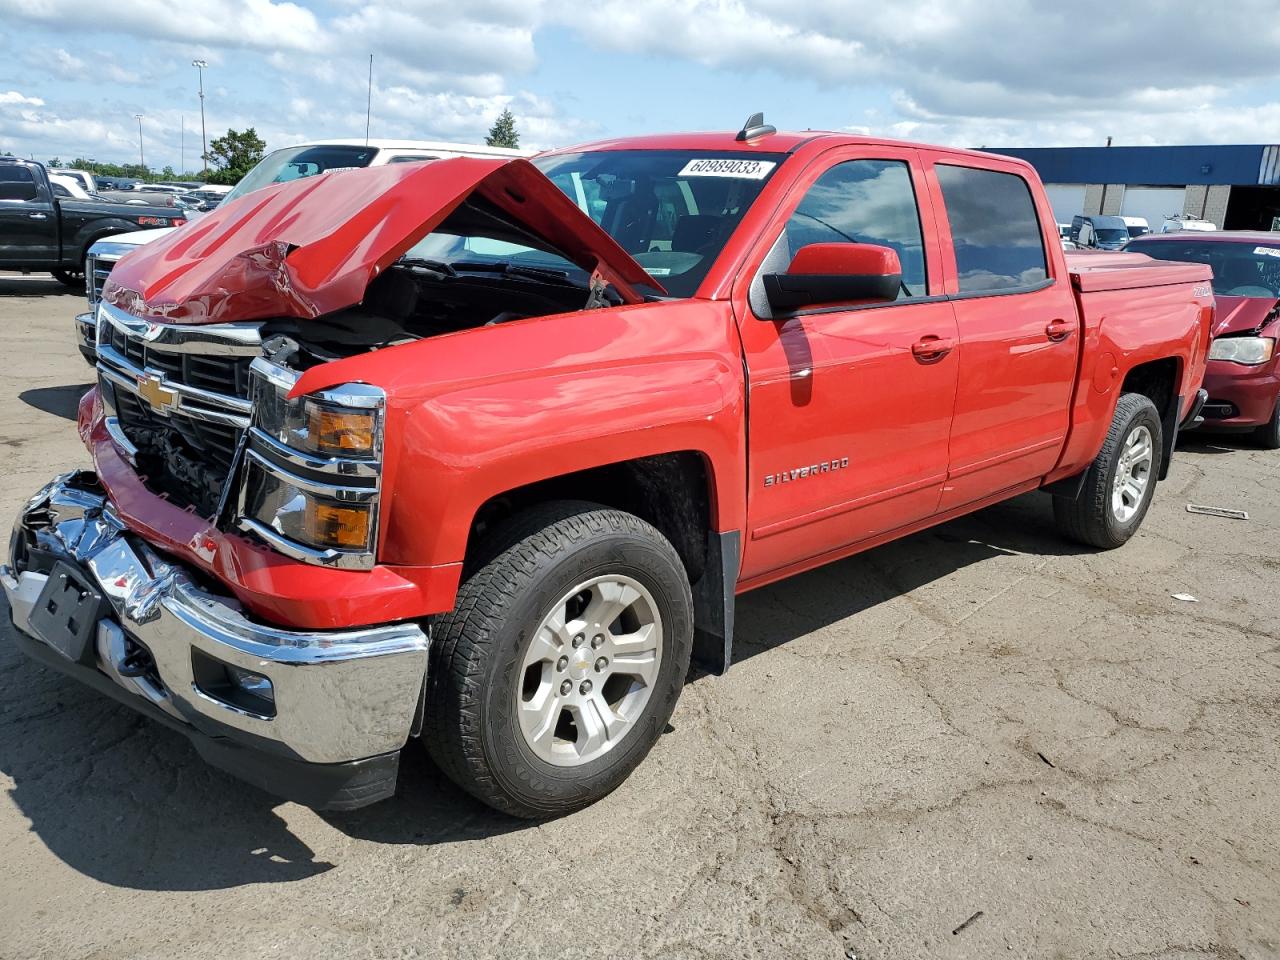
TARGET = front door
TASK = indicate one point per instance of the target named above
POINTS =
(849, 408)
(28, 219)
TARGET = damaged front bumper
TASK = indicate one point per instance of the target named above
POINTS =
(314, 716)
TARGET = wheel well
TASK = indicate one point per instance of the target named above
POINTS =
(670, 491)
(1156, 380)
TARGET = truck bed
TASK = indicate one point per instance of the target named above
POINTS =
(1095, 272)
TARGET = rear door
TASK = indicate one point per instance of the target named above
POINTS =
(848, 422)
(1018, 327)
(28, 218)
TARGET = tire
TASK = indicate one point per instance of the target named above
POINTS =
(481, 687)
(70, 278)
(1268, 435)
(1095, 517)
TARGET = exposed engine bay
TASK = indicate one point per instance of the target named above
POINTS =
(418, 300)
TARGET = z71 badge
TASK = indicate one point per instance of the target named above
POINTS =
(799, 473)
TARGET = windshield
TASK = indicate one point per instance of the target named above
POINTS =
(294, 163)
(1112, 235)
(1246, 269)
(672, 210)
(1138, 231)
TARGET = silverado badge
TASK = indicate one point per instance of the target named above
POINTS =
(159, 397)
(799, 473)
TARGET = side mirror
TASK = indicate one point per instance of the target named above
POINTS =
(832, 273)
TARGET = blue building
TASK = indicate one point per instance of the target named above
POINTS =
(1236, 187)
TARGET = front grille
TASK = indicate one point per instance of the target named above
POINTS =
(179, 396)
(98, 269)
(217, 374)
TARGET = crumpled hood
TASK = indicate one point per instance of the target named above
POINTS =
(311, 246)
(1241, 314)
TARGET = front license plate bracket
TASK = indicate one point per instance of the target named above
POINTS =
(67, 612)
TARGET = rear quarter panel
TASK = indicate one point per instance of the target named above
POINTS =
(480, 413)
(1122, 329)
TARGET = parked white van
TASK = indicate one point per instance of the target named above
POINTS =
(1137, 226)
(1174, 224)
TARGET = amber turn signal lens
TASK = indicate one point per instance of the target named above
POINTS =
(341, 432)
(334, 525)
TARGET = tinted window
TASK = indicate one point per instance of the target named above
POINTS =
(865, 201)
(59, 191)
(410, 159)
(16, 183)
(994, 228)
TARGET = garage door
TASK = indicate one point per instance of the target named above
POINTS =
(1153, 204)
(1067, 200)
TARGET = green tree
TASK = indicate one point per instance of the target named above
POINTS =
(230, 157)
(503, 133)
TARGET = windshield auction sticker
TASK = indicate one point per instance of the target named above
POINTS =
(738, 169)
(1267, 251)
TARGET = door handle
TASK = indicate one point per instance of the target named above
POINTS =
(931, 349)
(1059, 330)
(37, 216)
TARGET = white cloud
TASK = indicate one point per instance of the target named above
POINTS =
(257, 24)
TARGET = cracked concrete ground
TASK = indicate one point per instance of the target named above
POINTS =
(978, 718)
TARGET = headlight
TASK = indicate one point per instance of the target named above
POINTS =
(320, 517)
(312, 474)
(1247, 350)
(344, 422)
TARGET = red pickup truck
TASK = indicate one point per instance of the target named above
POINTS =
(480, 452)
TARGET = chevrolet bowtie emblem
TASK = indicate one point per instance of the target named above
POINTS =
(159, 397)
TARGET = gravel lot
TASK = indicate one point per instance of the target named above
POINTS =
(979, 721)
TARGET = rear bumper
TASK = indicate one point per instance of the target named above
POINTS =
(1240, 396)
(339, 706)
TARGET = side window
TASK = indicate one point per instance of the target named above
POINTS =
(16, 183)
(59, 191)
(994, 228)
(409, 159)
(865, 201)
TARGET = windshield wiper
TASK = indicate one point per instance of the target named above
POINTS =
(439, 266)
(545, 274)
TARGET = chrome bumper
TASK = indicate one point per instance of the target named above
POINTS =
(334, 696)
(87, 334)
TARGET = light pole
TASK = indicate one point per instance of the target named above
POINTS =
(204, 145)
(141, 160)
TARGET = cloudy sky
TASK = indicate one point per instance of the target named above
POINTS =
(971, 72)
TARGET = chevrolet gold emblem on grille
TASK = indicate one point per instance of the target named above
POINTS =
(158, 396)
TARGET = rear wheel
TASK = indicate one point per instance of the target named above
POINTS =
(1121, 481)
(1268, 435)
(562, 660)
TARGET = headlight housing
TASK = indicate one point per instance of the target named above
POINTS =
(1247, 350)
(310, 483)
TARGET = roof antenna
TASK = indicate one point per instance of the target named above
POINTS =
(754, 128)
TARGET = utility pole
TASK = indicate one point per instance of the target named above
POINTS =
(142, 161)
(182, 145)
(368, 106)
(204, 143)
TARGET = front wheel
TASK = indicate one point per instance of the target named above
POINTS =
(1120, 482)
(69, 278)
(562, 659)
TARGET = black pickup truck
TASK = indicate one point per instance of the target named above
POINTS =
(39, 231)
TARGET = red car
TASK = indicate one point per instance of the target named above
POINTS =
(480, 452)
(1243, 373)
